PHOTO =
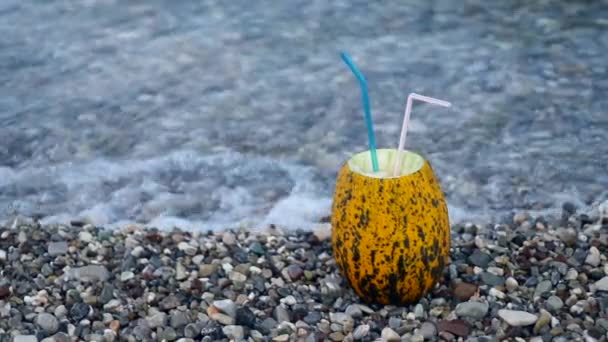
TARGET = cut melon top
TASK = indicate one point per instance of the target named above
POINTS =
(361, 163)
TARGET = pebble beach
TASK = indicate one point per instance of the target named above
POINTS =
(528, 279)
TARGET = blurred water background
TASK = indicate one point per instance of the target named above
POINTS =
(211, 114)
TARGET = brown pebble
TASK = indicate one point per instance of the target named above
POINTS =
(457, 327)
(5, 291)
(212, 310)
(464, 291)
(115, 325)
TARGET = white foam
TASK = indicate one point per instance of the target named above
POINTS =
(299, 210)
(184, 189)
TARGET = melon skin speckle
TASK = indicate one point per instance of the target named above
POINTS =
(390, 235)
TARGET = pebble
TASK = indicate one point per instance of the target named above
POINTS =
(593, 258)
(206, 270)
(492, 279)
(464, 291)
(480, 259)
(511, 284)
(475, 310)
(48, 323)
(187, 248)
(179, 319)
(543, 287)
(543, 320)
(281, 314)
(57, 248)
(126, 276)
(390, 335)
(554, 304)
(340, 318)
(428, 330)
(25, 338)
(517, 318)
(455, 327)
(281, 338)
(353, 311)
(226, 306)
(234, 332)
(222, 318)
(295, 272)
(602, 284)
(91, 273)
(229, 238)
(361, 331)
(312, 317)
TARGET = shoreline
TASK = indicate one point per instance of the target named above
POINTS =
(531, 279)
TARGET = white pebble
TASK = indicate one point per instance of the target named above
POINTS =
(150, 297)
(517, 318)
(497, 293)
(126, 276)
(255, 270)
(593, 258)
(479, 242)
(289, 300)
(137, 251)
(390, 335)
(227, 267)
(85, 236)
(496, 271)
(511, 284)
(576, 310)
(572, 274)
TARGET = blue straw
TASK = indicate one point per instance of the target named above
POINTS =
(368, 115)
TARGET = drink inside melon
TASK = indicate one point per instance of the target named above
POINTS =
(390, 233)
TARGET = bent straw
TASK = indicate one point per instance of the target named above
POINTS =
(406, 120)
(368, 115)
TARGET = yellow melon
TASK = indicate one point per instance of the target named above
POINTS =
(390, 234)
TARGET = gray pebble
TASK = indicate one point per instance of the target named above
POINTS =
(492, 279)
(394, 323)
(340, 318)
(543, 287)
(47, 322)
(91, 273)
(56, 248)
(281, 314)
(428, 330)
(353, 311)
(419, 311)
(554, 304)
(179, 319)
(471, 309)
(480, 259)
(168, 334)
(361, 331)
(312, 317)
(25, 338)
(234, 332)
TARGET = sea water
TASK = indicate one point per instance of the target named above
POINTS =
(211, 115)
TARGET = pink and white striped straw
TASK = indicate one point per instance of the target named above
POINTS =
(406, 120)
